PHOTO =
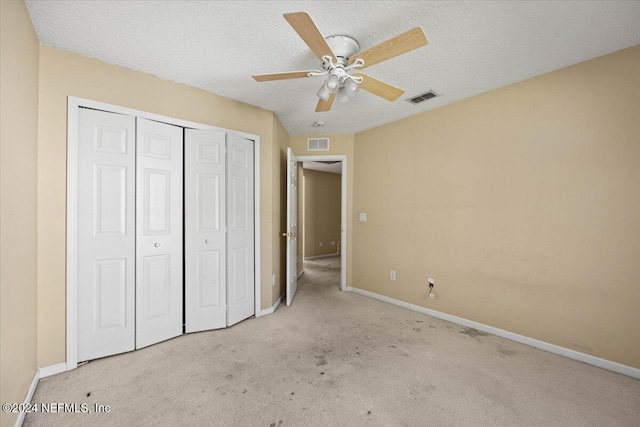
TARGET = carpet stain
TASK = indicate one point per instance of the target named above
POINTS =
(321, 360)
(473, 333)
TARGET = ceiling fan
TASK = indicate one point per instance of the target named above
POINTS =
(341, 56)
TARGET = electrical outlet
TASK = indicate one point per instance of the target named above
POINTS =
(392, 275)
(432, 296)
(431, 282)
(274, 280)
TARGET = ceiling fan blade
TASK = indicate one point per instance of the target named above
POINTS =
(379, 88)
(398, 45)
(282, 76)
(325, 105)
(307, 30)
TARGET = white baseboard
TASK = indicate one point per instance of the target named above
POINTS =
(273, 308)
(44, 372)
(322, 256)
(542, 345)
(301, 273)
(47, 371)
(28, 397)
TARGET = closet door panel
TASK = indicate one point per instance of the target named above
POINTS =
(159, 232)
(240, 239)
(205, 231)
(106, 234)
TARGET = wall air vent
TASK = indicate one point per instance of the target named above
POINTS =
(423, 97)
(318, 144)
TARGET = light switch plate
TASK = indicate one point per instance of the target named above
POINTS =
(363, 216)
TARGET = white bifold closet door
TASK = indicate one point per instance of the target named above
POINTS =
(159, 204)
(106, 233)
(205, 230)
(219, 230)
(240, 236)
(130, 232)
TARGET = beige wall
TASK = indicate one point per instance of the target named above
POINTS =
(64, 73)
(523, 203)
(18, 202)
(344, 145)
(322, 192)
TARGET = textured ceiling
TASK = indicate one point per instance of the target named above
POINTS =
(323, 167)
(216, 46)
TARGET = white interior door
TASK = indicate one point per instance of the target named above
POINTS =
(205, 230)
(106, 233)
(159, 206)
(292, 225)
(240, 223)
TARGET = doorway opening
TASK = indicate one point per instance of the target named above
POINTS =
(322, 204)
(319, 205)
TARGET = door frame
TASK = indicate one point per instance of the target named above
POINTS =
(71, 249)
(343, 209)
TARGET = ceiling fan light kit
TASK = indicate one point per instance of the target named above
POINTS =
(340, 56)
(342, 96)
(339, 80)
(324, 93)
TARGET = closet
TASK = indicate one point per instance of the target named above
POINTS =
(165, 241)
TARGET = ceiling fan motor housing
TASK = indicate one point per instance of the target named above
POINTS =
(343, 47)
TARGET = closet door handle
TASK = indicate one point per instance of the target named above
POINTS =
(157, 245)
(207, 241)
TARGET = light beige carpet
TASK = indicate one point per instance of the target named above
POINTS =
(336, 358)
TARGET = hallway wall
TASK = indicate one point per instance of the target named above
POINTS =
(322, 194)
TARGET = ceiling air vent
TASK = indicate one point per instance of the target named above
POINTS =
(421, 98)
(318, 144)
